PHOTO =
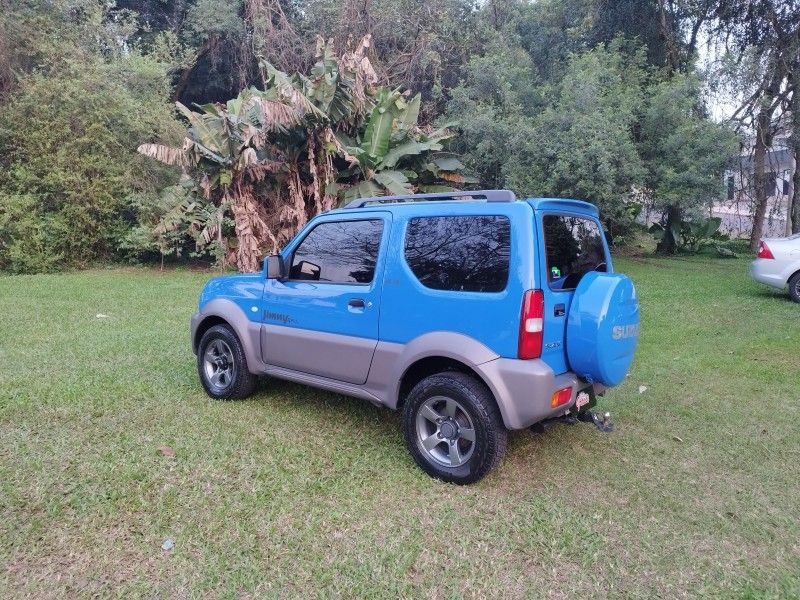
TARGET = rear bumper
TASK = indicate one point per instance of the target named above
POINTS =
(769, 272)
(524, 388)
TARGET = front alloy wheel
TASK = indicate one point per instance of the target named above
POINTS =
(222, 365)
(219, 365)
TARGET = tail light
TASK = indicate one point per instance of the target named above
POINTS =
(531, 325)
(561, 397)
(764, 251)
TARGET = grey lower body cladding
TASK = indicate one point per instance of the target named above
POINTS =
(522, 388)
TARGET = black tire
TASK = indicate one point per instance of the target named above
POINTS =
(794, 287)
(475, 411)
(221, 345)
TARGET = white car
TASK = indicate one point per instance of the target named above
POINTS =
(778, 264)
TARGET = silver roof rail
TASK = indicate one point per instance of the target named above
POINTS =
(488, 195)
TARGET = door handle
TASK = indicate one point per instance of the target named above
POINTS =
(356, 303)
(559, 310)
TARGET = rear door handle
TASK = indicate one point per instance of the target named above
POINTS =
(560, 310)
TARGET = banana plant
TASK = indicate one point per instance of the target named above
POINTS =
(691, 236)
(278, 156)
(394, 155)
(226, 146)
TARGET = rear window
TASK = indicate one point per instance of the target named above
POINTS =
(459, 254)
(574, 247)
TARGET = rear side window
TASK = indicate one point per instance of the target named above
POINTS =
(339, 252)
(574, 247)
(459, 254)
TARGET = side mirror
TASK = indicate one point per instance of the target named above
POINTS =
(274, 267)
(307, 270)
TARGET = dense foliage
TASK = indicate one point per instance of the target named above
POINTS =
(573, 98)
(70, 121)
(273, 158)
(71, 173)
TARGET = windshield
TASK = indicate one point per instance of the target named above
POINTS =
(574, 246)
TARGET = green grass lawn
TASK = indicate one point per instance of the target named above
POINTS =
(301, 492)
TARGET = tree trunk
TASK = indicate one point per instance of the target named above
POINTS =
(668, 35)
(776, 73)
(795, 206)
(249, 230)
(793, 214)
(667, 244)
(760, 179)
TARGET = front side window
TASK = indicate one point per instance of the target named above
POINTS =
(460, 254)
(574, 246)
(338, 252)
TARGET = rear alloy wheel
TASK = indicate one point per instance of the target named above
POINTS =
(445, 431)
(453, 427)
(794, 287)
(222, 365)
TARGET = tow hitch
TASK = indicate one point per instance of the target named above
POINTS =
(602, 422)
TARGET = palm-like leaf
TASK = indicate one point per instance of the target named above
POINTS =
(410, 115)
(208, 134)
(165, 154)
(365, 189)
(395, 181)
(406, 149)
(379, 130)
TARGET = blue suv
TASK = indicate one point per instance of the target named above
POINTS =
(473, 312)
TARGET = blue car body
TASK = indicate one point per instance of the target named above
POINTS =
(411, 309)
(363, 339)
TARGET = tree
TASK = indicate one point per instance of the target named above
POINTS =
(573, 137)
(552, 30)
(768, 29)
(795, 111)
(684, 153)
(582, 145)
(499, 94)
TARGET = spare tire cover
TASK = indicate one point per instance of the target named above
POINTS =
(603, 327)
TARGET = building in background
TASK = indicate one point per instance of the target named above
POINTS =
(737, 205)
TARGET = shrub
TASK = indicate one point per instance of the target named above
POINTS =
(690, 236)
(68, 141)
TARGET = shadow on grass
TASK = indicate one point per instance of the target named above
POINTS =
(769, 293)
(383, 426)
(329, 406)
